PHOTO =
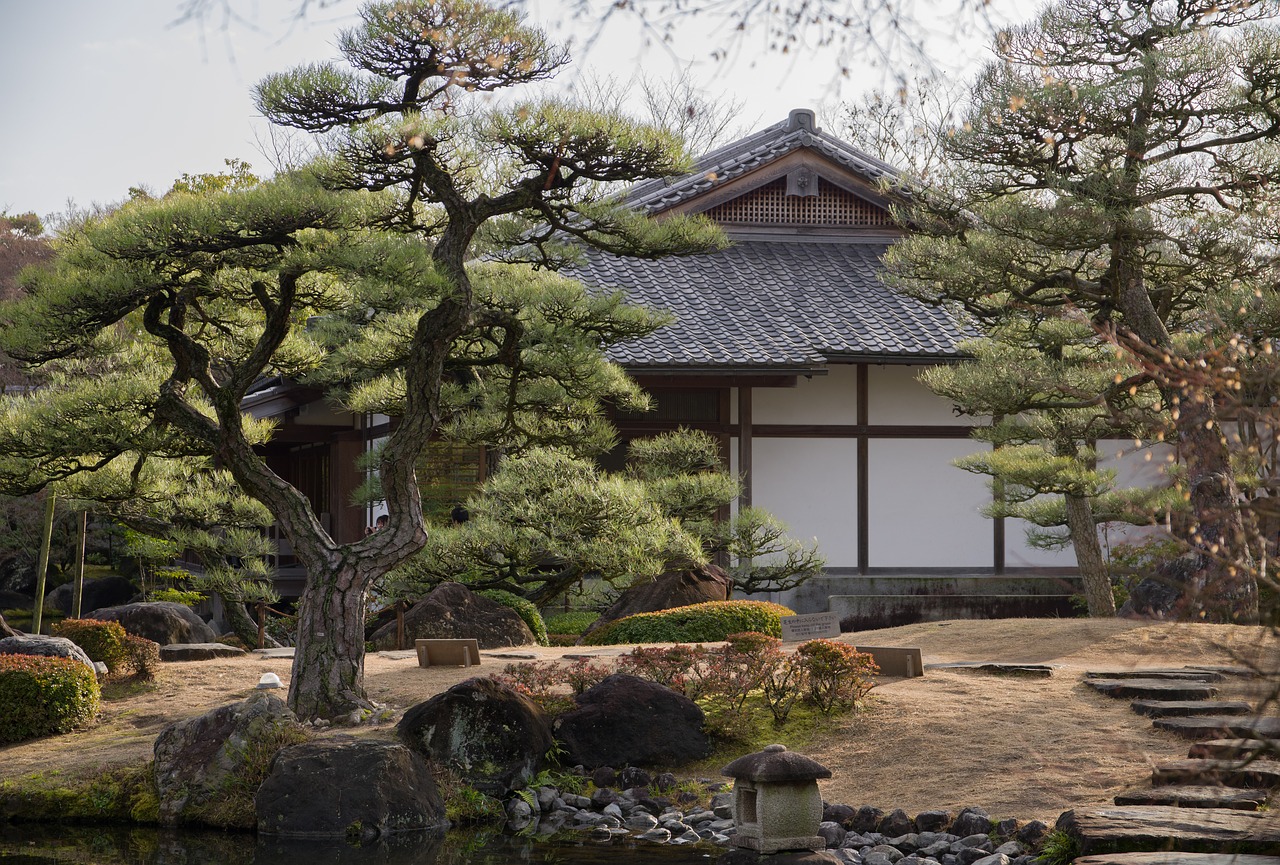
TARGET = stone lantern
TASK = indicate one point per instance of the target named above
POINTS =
(776, 802)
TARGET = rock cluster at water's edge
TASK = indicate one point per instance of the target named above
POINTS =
(857, 836)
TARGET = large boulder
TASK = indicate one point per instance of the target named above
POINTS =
(1160, 596)
(491, 735)
(18, 574)
(628, 721)
(161, 622)
(105, 592)
(208, 767)
(16, 601)
(672, 589)
(452, 611)
(49, 647)
(359, 789)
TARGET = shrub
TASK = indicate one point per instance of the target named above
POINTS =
(699, 623)
(672, 666)
(838, 674)
(43, 696)
(177, 596)
(571, 623)
(101, 641)
(544, 682)
(144, 656)
(525, 609)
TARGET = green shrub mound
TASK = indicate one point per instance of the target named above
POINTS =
(571, 623)
(101, 641)
(108, 642)
(144, 656)
(42, 696)
(525, 609)
(698, 623)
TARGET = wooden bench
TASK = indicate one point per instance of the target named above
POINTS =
(447, 653)
(895, 661)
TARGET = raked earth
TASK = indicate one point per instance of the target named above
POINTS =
(1017, 746)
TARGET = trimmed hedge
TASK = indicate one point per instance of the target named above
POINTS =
(42, 696)
(525, 609)
(697, 623)
(101, 641)
(109, 643)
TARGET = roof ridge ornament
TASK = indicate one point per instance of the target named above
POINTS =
(802, 118)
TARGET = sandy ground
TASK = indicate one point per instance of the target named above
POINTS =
(1019, 747)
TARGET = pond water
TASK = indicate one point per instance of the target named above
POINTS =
(44, 844)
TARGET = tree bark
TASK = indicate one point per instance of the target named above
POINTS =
(243, 626)
(328, 663)
(1225, 588)
(1089, 560)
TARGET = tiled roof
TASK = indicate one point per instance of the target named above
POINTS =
(772, 305)
(746, 154)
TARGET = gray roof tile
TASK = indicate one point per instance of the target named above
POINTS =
(772, 304)
(745, 154)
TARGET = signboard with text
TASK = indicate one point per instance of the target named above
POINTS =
(811, 627)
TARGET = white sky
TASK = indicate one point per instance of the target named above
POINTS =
(101, 96)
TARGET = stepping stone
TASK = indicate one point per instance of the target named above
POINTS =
(1240, 672)
(1183, 675)
(1134, 828)
(1156, 688)
(198, 651)
(1221, 727)
(1043, 671)
(1232, 749)
(1172, 858)
(1257, 775)
(1186, 708)
(1196, 797)
(282, 652)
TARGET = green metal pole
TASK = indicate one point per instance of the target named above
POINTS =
(44, 562)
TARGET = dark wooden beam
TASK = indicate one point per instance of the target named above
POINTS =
(744, 445)
(651, 382)
(863, 463)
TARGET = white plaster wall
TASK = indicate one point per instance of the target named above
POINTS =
(1017, 554)
(822, 399)
(895, 397)
(811, 485)
(925, 511)
(1135, 465)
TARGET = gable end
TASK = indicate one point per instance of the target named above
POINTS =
(771, 205)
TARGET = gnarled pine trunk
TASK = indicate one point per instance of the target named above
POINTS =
(328, 663)
(1089, 561)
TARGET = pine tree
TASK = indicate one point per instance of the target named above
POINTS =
(547, 520)
(1054, 390)
(1113, 159)
(376, 245)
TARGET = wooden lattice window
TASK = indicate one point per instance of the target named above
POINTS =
(680, 406)
(770, 205)
(447, 474)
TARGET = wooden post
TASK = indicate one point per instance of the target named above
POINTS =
(262, 624)
(400, 624)
(45, 540)
(78, 592)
